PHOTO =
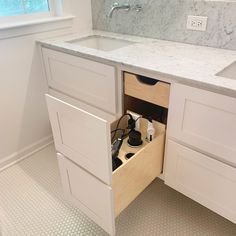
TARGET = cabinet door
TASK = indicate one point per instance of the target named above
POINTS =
(89, 81)
(204, 120)
(82, 137)
(87, 193)
(207, 181)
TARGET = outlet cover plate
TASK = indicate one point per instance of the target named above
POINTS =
(198, 23)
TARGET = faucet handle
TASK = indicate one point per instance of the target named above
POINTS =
(115, 4)
(138, 7)
(125, 6)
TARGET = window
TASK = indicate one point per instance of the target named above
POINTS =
(25, 17)
(22, 7)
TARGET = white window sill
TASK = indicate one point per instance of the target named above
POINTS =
(10, 30)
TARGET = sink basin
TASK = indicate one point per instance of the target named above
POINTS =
(229, 72)
(101, 43)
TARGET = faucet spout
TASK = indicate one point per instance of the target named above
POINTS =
(117, 6)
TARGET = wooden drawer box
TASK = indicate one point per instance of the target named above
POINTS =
(156, 92)
(102, 202)
(135, 174)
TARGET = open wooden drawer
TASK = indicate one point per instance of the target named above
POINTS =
(136, 173)
(85, 164)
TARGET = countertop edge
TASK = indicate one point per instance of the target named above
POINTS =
(170, 78)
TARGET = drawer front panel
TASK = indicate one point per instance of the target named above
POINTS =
(88, 194)
(207, 181)
(89, 81)
(82, 137)
(157, 94)
(204, 120)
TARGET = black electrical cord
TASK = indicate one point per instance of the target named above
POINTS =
(127, 134)
(123, 130)
(118, 129)
(118, 123)
(116, 162)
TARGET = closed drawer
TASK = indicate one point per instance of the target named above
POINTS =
(89, 81)
(204, 120)
(87, 193)
(207, 181)
(149, 90)
(95, 198)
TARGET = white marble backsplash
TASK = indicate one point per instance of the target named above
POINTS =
(166, 19)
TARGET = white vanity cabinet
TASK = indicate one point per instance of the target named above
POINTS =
(200, 158)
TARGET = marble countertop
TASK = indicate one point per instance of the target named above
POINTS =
(189, 64)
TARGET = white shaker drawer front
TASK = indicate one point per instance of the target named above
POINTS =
(207, 181)
(86, 80)
(204, 120)
(90, 195)
(82, 137)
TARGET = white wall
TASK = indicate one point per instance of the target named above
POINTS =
(23, 114)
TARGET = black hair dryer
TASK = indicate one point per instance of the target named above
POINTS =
(116, 162)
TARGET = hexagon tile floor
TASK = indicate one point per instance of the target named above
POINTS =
(32, 204)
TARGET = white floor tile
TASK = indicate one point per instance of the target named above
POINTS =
(32, 203)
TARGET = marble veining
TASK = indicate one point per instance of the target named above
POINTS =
(166, 19)
(189, 64)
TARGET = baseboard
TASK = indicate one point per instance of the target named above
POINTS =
(25, 152)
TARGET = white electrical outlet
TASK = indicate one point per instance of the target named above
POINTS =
(197, 23)
(136, 117)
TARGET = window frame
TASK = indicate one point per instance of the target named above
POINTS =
(57, 18)
(34, 16)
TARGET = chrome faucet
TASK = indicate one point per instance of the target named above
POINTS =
(117, 6)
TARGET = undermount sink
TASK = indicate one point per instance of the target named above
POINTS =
(229, 72)
(101, 42)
